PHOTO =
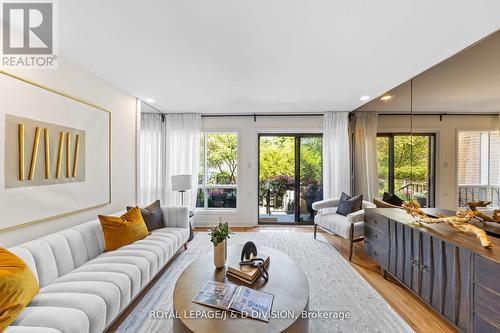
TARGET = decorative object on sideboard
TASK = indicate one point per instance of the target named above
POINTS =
(219, 236)
(460, 221)
(182, 183)
(248, 250)
(484, 217)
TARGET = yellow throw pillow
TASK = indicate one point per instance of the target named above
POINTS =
(123, 230)
(18, 286)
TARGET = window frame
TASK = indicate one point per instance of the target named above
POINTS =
(205, 186)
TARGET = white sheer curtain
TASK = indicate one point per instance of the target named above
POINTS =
(336, 161)
(167, 148)
(152, 159)
(182, 152)
(365, 154)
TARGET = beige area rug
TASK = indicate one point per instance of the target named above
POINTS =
(334, 286)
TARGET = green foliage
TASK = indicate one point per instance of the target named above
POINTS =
(410, 157)
(277, 159)
(219, 233)
(222, 157)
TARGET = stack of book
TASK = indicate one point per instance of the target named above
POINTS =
(246, 274)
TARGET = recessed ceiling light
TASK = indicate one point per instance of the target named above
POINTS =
(386, 97)
(364, 98)
(149, 100)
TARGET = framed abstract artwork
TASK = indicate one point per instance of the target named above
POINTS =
(55, 153)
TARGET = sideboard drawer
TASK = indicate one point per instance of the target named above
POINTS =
(376, 237)
(481, 325)
(376, 253)
(487, 304)
(376, 221)
(486, 273)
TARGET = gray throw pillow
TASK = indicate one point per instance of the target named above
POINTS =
(152, 216)
(348, 205)
(392, 199)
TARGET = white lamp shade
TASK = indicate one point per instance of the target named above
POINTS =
(182, 182)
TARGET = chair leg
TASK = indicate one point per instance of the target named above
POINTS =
(351, 241)
(315, 230)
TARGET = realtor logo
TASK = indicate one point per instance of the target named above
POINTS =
(28, 29)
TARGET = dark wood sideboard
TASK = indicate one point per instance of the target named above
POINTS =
(447, 269)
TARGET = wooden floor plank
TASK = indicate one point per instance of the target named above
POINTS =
(416, 313)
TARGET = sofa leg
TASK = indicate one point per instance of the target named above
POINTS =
(315, 230)
(351, 241)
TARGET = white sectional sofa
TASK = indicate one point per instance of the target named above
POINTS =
(82, 287)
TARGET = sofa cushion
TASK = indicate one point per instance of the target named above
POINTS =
(45, 261)
(178, 235)
(152, 215)
(77, 246)
(123, 230)
(167, 241)
(164, 246)
(92, 236)
(348, 205)
(132, 272)
(62, 253)
(17, 287)
(93, 306)
(66, 320)
(120, 280)
(141, 263)
(124, 252)
(107, 291)
(154, 249)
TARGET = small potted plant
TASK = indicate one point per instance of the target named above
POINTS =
(218, 237)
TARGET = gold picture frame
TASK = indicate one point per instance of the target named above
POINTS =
(53, 217)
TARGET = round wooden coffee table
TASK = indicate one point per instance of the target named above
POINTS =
(287, 282)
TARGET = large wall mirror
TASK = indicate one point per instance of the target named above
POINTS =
(438, 133)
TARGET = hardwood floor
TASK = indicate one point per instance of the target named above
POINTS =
(417, 314)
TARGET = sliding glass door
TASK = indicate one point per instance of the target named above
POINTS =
(406, 165)
(290, 177)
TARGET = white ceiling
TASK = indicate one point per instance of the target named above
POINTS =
(467, 82)
(228, 56)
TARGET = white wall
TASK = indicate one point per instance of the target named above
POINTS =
(73, 81)
(446, 135)
(248, 130)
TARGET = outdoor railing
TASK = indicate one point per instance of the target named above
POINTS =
(468, 193)
(411, 189)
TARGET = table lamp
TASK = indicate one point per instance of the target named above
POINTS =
(182, 183)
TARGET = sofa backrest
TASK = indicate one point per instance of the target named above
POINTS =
(54, 255)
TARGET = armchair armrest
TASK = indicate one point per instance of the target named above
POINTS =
(329, 203)
(358, 216)
(176, 216)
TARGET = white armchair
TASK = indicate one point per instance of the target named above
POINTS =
(350, 227)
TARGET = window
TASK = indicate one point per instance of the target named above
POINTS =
(406, 166)
(218, 177)
(478, 167)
